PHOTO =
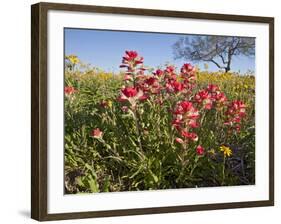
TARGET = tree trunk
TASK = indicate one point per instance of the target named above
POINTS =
(227, 69)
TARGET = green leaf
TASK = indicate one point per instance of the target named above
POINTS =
(106, 184)
(79, 182)
(93, 184)
(155, 178)
(137, 172)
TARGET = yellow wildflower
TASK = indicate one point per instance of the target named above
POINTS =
(73, 59)
(212, 152)
(110, 103)
(226, 150)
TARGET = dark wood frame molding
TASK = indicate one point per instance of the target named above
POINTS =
(39, 110)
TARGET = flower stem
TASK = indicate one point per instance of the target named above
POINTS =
(138, 129)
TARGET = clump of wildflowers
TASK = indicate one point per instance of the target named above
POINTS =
(157, 129)
(168, 83)
(210, 96)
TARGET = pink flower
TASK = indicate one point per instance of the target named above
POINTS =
(124, 108)
(179, 140)
(208, 105)
(170, 69)
(213, 88)
(131, 57)
(150, 81)
(177, 86)
(221, 98)
(210, 96)
(129, 91)
(190, 135)
(183, 107)
(96, 133)
(236, 111)
(185, 115)
(177, 123)
(158, 72)
(148, 84)
(143, 97)
(185, 118)
(193, 124)
(204, 97)
(188, 74)
(131, 95)
(187, 109)
(68, 90)
(236, 107)
(200, 150)
(187, 69)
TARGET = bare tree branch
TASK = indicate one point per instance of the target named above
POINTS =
(211, 48)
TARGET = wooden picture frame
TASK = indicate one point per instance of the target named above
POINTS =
(39, 110)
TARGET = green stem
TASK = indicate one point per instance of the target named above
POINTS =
(138, 129)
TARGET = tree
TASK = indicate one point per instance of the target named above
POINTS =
(218, 50)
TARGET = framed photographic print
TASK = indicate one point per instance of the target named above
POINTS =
(139, 111)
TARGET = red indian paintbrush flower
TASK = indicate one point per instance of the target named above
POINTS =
(151, 81)
(158, 72)
(179, 140)
(148, 84)
(185, 118)
(186, 108)
(187, 69)
(236, 107)
(193, 124)
(217, 96)
(221, 98)
(173, 86)
(236, 111)
(96, 133)
(170, 69)
(130, 55)
(200, 150)
(68, 90)
(212, 88)
(129, 91)
(131, 58)
(204, 97)
(132, 95)
(177, 86)
(210, 96)
(190, 135)
(188, 72)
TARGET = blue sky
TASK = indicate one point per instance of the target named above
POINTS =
(104, 49)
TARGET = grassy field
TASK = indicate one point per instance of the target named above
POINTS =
(165, 129)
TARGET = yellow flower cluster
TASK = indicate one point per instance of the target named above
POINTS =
(244, 81)
(104, 76)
